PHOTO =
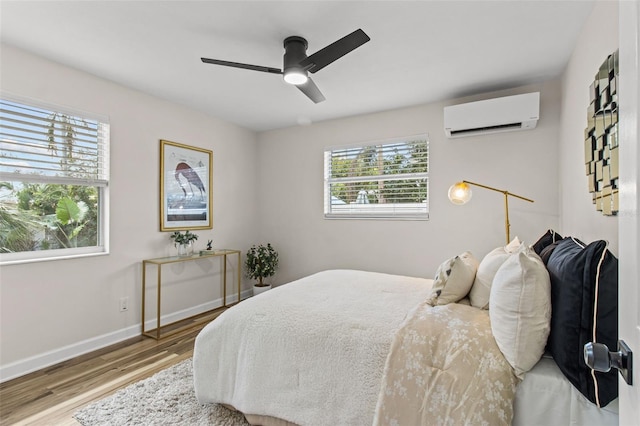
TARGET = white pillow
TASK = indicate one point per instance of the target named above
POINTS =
(520, 309)
(481, 289)
(453, 280)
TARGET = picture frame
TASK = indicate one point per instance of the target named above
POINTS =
(186, 184)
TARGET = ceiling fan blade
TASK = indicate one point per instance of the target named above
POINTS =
(334, 51)
(311, 90)
(241, 65)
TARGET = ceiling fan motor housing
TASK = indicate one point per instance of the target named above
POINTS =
(295, 50)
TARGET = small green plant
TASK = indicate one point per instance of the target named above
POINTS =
(261, 262)
(67, 222)
(182, 239)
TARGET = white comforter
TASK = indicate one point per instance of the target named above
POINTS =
(310, 352)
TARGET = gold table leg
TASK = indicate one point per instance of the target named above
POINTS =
(238, 271)
(224, 280)
(144, 280)
(159, 301)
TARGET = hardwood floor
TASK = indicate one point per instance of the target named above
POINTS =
(51, 396)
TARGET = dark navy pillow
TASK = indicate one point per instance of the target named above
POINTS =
(547, 239)
(545, 254)
(584, 282)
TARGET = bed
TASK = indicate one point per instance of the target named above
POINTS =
(346, 347)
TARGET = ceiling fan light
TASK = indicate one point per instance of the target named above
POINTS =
(295, 77)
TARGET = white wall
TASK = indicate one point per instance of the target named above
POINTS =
(291, 191)
(598, 39)
(56, 308)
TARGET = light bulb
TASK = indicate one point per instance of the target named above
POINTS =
(460, 193)
(295, 77)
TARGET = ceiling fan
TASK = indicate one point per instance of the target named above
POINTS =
(297, 64)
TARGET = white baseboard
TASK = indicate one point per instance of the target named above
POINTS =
(46, 359)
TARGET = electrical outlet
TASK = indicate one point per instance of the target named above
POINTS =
(124, 304)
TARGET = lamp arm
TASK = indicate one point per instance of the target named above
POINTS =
(507, 224)
(498, 190)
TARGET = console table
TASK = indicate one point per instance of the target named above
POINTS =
(159, 262)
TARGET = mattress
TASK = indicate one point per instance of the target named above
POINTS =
(545, 397)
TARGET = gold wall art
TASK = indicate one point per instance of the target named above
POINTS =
(601, 149)
(186, 182)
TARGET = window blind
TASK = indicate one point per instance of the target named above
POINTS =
(62, 148)
(378, 180)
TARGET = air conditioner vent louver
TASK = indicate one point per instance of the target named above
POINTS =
(510, 113)
(511, 126)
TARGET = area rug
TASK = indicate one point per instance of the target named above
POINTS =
(166, 398)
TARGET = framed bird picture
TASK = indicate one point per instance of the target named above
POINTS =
(186, 182)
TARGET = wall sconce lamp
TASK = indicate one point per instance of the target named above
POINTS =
(460, 193)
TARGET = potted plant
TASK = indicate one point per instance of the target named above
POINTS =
(183, 242)
(261, 262)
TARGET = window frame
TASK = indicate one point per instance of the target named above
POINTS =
(102, 187)
(391, 211)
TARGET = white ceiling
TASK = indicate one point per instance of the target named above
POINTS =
(420, 51)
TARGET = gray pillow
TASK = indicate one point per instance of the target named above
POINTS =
(453, 279)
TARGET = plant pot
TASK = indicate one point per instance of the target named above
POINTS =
(257, 289)
(185, 249)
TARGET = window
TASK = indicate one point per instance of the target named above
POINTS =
(54, 177)
(383, 180)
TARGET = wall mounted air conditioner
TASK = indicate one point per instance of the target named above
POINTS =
(518, 112)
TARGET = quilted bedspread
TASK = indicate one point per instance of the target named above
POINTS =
(311, 352)
(445, 368)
